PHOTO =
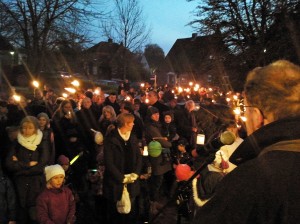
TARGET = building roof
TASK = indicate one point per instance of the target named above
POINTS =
(189, 54)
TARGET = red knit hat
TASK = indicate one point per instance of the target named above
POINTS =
(63, 160)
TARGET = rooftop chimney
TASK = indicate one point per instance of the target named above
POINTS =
(194, 35)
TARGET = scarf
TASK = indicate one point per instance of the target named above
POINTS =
(125, 136)
(31, 142)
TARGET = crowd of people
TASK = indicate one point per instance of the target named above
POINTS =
(69, 160)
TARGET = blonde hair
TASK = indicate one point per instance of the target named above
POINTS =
(110, 110)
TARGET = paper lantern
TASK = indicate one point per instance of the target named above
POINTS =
(154, 148)
(183, 172)
(98, 138)
(200, 139)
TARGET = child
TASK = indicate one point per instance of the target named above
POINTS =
(56, 203)
(181, 156)
(44, 125)
(169, 127)
(64, 162)
(168, 130)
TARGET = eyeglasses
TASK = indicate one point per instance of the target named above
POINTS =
(243, 108)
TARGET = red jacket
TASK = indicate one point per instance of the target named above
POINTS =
(56, 206)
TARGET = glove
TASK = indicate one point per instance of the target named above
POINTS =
(134, 176)
(127, 179)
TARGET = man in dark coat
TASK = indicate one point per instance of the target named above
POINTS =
(264, 188)
(161, 165)
(111, 100)
(154, 102)
(87, 120)
(186, 124)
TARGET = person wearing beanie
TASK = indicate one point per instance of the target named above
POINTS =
(52, 171)
(64, 162)
(150, 111)
(44, 125)
(26, 159)
(89, 94)
(161, 167)
(56, 203)
(44, 115)
(69, 175)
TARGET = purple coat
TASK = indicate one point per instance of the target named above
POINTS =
(56, 206)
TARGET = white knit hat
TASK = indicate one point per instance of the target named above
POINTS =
(53, 170)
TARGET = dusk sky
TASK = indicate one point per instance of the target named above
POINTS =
(168, 19)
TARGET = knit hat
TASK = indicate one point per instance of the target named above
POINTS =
(89, 94)
(53, 170)
(63, 160)
(44, 115)
(152, 110)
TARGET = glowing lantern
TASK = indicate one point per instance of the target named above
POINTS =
(98, 138)
(154, 148)
(183, 172)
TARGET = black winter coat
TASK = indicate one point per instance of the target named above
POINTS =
(8, 199)
(185, 121)
(116, 152)
(64, 129)
(264, 188)
(28, 180)
(153, 130)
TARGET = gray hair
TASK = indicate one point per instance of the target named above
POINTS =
(275, 89)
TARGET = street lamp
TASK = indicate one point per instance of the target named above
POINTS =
(12, 53)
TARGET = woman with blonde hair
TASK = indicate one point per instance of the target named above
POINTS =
(107, 118)
(26, 160)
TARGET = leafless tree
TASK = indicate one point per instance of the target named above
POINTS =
(127, 25)
(37, 27)
(244, 24)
